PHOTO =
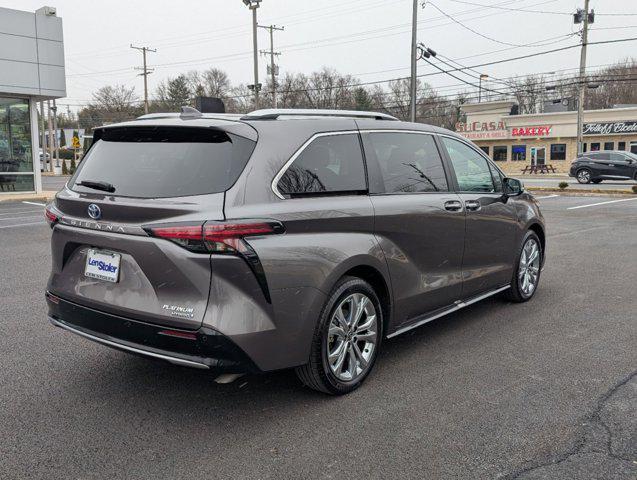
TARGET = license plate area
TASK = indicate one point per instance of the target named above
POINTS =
(102, 264)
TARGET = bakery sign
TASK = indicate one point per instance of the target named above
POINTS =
(609, 128)
(535, 131)
(482, 130)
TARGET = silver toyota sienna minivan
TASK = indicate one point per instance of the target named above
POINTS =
(282, 238)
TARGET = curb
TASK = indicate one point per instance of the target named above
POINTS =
(596, 191)
(44, 197)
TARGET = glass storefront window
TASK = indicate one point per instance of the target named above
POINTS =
(558, 151)
(621, 145)
(15, 145)
(518, 153)
(485, 150)
(16, 183)
(609, 145)
(500, 154)
(595, 147)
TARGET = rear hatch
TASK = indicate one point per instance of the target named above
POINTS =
(120, 225)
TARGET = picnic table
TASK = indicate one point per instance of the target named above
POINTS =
(546, 168)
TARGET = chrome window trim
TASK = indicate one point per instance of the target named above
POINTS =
(296, 154)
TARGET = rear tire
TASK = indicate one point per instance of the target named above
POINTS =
(344, 348)
(583, 175)
(528, 267)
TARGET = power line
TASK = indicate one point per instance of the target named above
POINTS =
(313, 44)
(472, 30)
(539, 11)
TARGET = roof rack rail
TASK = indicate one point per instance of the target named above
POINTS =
(274, 113)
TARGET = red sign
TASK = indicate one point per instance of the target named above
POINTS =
(539, 131)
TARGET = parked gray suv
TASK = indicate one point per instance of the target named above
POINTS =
(283, 238)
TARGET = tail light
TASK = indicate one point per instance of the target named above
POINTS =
(222, 238)
(215, 237)
(51, 216)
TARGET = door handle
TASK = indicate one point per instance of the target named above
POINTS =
(472, 205)
(453, 205)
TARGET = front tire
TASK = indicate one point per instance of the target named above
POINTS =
(583, 175)
(526, 275)
(346, 339)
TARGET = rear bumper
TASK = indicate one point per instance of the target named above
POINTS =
(204, 348)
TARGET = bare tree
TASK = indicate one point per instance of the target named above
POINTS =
(110, 104)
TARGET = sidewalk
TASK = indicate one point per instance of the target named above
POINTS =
(18, 197)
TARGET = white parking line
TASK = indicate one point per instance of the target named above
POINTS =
(20, 218)
(14, 212)
(548, 196)
(23, 225)
(35, 203)
(602, 203)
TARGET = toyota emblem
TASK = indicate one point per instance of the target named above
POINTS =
(94, 211)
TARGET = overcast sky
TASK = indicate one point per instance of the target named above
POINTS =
(367, 38)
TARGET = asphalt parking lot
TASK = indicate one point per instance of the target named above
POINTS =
(542, 390)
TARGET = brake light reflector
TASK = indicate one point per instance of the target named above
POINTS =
(178, 334)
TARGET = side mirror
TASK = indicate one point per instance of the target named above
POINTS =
(512, 186)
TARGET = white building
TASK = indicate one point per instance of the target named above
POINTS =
(31, 69)
(516, 141)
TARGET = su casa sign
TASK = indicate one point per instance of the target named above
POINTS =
(482, 130)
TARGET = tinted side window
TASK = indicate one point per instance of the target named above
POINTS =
(409, 162)
(617, 157)
(329, 164)
(472, 169)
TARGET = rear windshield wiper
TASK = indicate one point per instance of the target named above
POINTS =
(104, 186)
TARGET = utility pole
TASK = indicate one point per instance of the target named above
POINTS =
(414, 41)
(145, 72)
(50, 131)
(44, 166)
(584, 17)
(55, 134)
(273, 68)
(253, 5)
(483, 76)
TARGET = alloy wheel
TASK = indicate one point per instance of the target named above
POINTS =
(529, 268)
(352, 337)
(584, 176)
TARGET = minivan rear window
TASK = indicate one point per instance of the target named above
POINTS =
(159, 162)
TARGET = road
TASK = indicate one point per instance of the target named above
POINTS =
(554, 182)
(542, 390)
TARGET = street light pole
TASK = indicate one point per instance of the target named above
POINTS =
(580, 84)
(253, 5)
(414, 41)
